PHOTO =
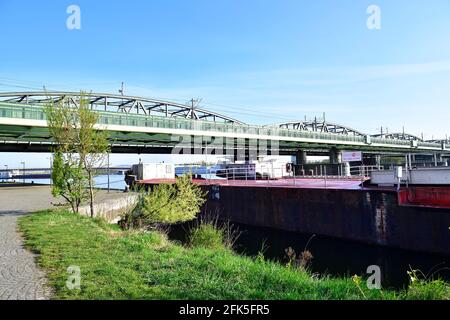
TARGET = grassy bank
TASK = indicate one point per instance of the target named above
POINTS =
(118, 264)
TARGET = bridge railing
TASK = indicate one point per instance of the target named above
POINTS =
(21, 112)
(427, 144)
(11, 110)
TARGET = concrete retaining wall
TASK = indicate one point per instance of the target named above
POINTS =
(112, 209)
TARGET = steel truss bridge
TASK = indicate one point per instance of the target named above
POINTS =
(141, 125)
(325, 126)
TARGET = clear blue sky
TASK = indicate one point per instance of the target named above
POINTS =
(258, 60)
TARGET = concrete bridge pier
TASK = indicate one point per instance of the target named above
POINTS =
(445, 159)
(244, 150)
(300, 157)
(438, 158)
(372, 160)
(335, 156)
(378, 160)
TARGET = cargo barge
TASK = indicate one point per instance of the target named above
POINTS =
(410, 217)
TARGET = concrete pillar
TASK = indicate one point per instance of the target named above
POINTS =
(347, 172)
(369, 160)
(378, 160)
(253, 150)
(444, 159)
(335, 156)
(240, 150)
(300, 157)
(236, 152)
(236, 155)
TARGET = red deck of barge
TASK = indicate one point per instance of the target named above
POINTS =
(346, 184)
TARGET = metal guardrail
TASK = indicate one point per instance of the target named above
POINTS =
(274, 176)
(363, 171)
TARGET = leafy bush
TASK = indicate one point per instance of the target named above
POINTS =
(173, 203)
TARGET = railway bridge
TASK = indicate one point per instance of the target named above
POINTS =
(143, 125)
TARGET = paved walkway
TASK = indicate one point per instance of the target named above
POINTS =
(20, 278)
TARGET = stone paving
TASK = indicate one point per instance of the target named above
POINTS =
(20, 278)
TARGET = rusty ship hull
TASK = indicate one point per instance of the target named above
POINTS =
(414, 218)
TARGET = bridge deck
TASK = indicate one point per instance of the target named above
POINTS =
(27, 123)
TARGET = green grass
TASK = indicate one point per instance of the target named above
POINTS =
(119, 264)
(207, 236)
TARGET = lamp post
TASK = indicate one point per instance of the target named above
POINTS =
(23, 173)
(50, 169)
(6, 173)
(108, 165)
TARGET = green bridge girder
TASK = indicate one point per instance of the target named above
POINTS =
(26, 125)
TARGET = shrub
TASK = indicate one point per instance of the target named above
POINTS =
(173, 203)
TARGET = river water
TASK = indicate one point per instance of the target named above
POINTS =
(116, 182)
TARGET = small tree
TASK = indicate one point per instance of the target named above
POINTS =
(92, 145)
(81, 145)
(69, 181)
(173, 203)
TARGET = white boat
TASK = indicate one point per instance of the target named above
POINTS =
(5, 176)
